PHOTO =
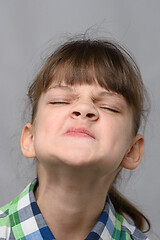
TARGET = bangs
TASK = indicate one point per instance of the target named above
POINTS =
(91, 63)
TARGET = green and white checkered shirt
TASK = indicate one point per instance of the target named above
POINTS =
(22, 220)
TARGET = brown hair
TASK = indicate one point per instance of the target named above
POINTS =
(112, 67)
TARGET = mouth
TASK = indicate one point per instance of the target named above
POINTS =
(79, 132)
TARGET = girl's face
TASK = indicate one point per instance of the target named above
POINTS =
(81, 125)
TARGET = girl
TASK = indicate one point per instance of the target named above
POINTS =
(87, 105)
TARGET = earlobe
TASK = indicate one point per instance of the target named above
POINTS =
(27, 141)
(134, 155)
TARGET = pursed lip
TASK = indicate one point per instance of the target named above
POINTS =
(79, 130)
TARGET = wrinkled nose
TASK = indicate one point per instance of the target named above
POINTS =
(85, 111)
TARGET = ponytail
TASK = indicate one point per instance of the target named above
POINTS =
(124, 207)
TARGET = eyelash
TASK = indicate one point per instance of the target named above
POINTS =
(56, 102)
(106, 108)
(111, 109)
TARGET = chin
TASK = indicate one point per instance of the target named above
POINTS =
(77, 160)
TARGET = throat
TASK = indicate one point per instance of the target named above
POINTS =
(72, 205)
(69, 217)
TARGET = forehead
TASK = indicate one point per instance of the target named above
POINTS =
(94, 90)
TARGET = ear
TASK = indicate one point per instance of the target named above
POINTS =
(27, 141)
(133, 157)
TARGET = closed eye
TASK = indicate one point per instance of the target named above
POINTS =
(110, 109)
(59, 102)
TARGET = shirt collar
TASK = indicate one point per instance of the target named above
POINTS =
(27, 221)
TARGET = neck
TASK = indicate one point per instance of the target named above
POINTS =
(71, 200)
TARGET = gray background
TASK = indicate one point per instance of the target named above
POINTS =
(28, 30)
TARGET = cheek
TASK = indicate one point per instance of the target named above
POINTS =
(48, 119)
(116, 136)
(47, 126)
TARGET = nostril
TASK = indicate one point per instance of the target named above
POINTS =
(90, 115)
(84, 114)
(76, 113)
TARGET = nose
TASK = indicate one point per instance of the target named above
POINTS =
(84, 111)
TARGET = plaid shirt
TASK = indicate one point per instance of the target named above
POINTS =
(22, 220)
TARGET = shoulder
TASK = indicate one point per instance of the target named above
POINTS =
(9, 214)
(128, 230)
(5, 225)
(113, 225)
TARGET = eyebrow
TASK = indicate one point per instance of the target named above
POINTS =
(109, 94)
(100, 94)
(68, 88)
